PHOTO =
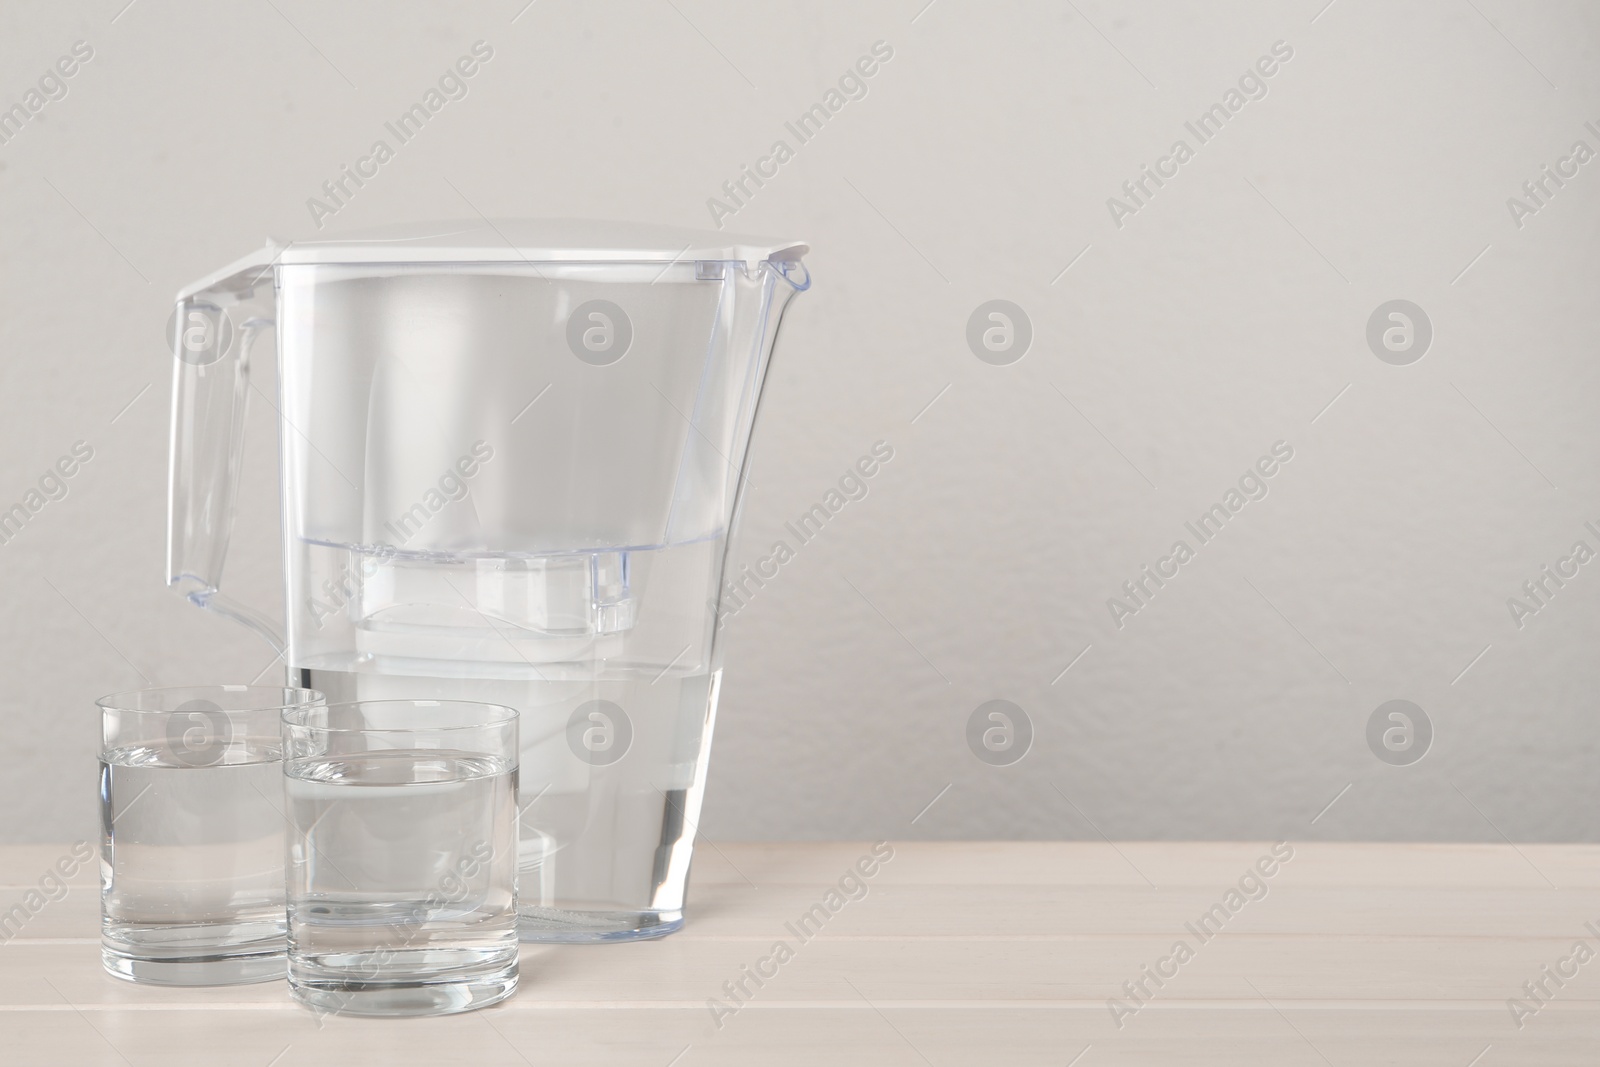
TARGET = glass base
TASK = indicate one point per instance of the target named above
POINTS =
(231, 969)
(564, 926)
(400, 997)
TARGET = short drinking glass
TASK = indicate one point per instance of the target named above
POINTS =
(191, 847)
(402, 868)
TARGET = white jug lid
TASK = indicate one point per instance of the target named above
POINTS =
(512, 241)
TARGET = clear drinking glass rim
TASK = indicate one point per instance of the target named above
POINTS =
(510, 715)
(302, 698)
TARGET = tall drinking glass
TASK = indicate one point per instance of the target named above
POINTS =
(191, 848)
(402, 863)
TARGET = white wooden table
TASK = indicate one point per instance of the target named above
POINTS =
(988, 953)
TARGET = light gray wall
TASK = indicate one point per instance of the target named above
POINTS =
(1168, 354)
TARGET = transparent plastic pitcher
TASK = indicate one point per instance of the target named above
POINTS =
(512, 456)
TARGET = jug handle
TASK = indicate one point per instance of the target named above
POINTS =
(212, 333)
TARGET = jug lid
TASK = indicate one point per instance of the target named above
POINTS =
(513, 241)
